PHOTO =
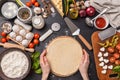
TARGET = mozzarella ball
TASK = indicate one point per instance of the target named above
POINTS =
(12, 34)
(29, 36)
(19, 38)
(22, 32)
(25, 43)
(16, 28)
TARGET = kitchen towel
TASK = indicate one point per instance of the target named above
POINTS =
(113, 13)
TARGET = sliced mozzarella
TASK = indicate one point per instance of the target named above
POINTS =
(105, 54)
(102, 49)
(110, 67)
(106, 61)
(105, 67)
(101, 64)
(100, 54)
(103, 71)
(101, 59)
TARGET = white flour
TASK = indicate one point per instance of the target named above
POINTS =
(14, 64)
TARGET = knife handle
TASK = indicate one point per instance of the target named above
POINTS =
(85, 42)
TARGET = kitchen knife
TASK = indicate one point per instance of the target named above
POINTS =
(76, 31)
(107, 33)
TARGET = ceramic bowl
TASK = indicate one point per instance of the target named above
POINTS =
(106, 20)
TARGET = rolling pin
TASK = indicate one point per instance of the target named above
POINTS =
(10, 45)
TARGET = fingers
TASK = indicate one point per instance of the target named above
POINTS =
(42, 57)
(45, 60)
(86, 56)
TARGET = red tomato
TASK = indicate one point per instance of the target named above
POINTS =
(33, 1)
(31, 45)
(3, 40)
(36, 35)
(116, 55)
(111, 49)
(117, 62)
(118, 46)
(3, 34)
(36, 41)
(112, 59)
(28, 4)
(36, 4)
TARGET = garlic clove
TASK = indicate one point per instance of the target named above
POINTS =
(102, 49)
(110, 67)
(101, 59)
(105, 67)
(103, 71)
(105, 54)
(101, 64)
(100, 54)
(106, 61)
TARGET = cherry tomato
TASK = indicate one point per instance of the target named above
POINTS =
(36, 41)
(28, 4)
(36, 35)
(112, 59)
(31, 45)
(117, 62)
(111, 49)
(36, 4)
(3, 40)
(116, 55)
(3, 34)
(33, 1)
(118, 46)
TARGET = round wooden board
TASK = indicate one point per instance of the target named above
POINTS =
(64, 54)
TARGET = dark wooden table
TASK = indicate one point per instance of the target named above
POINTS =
(85, 31)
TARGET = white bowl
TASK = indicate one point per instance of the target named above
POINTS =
(105, 18)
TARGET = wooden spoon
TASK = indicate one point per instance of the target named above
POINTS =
(10, 45)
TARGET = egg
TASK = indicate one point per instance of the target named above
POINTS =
(12, 34)
(22, 32)
(19, 38)
(25, 43)
(29, 36)
(16, 28)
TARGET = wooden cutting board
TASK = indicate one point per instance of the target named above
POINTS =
(96, 48)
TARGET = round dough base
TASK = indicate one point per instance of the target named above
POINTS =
(64, 54)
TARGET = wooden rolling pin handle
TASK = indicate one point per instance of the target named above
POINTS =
(29, 49)
(85, 42)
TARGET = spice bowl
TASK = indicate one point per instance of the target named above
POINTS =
(24, 14)
(101, 22)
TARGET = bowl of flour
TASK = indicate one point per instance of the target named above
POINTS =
(15, 64)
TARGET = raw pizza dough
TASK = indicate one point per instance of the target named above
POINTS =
(64, 54)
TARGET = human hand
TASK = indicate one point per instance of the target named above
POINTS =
(84, 64)
(44, 65)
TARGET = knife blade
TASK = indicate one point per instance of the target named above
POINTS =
(76, 31)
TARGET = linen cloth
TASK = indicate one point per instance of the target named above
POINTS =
(113, 13)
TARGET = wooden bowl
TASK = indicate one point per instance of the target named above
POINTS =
(64, 54)
(2, 75)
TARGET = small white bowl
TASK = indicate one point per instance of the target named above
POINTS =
(105, 18)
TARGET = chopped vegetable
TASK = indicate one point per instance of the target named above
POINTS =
(112, 59)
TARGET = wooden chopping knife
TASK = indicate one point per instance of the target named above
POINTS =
(10, 45)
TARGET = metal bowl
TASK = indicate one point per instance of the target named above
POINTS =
(2, 75)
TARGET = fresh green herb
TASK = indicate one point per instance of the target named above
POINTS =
(36, 63)
(116, 69)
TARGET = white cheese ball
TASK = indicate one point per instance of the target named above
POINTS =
(29, 36)
(22, 32)
(16, 28)
(19, 38)
(12, 34)
(25, 43)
